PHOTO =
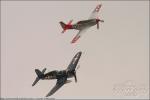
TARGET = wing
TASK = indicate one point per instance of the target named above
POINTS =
(78, 35)
(94, 13)
(74, 62)
(59, 84)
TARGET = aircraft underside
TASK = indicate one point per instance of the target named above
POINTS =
(84, 24)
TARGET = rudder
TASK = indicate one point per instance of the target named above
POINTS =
(39, 73)
(62, 24)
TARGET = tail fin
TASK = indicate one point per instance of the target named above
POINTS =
(66, 26)
(62, 24)
(40, 75)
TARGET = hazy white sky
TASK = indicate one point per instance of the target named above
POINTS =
(116, 54)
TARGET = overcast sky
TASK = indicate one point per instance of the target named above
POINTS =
(114, 55)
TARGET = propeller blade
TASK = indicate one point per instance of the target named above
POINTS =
(102, 21)
(75, 77)
(98, 25)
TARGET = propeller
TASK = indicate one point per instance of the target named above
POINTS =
(97, 21)
(75, 77)
(98, 25)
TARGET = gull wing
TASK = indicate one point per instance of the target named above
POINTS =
(79, 35)
(59, 84)
(74, 62)
(94, 13)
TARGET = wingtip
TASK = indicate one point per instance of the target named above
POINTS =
(62, 32)
(72, 42)
(48, 95)
(75, 39)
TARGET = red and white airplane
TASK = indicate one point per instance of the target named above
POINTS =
(83, 25)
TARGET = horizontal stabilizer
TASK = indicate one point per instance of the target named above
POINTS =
(66, 26)
(62, 24)
(36, 80)
(40, 75)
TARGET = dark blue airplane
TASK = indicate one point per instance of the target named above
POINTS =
(61, 76)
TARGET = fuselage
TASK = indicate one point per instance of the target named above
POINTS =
(84, 24)
(57, 74)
